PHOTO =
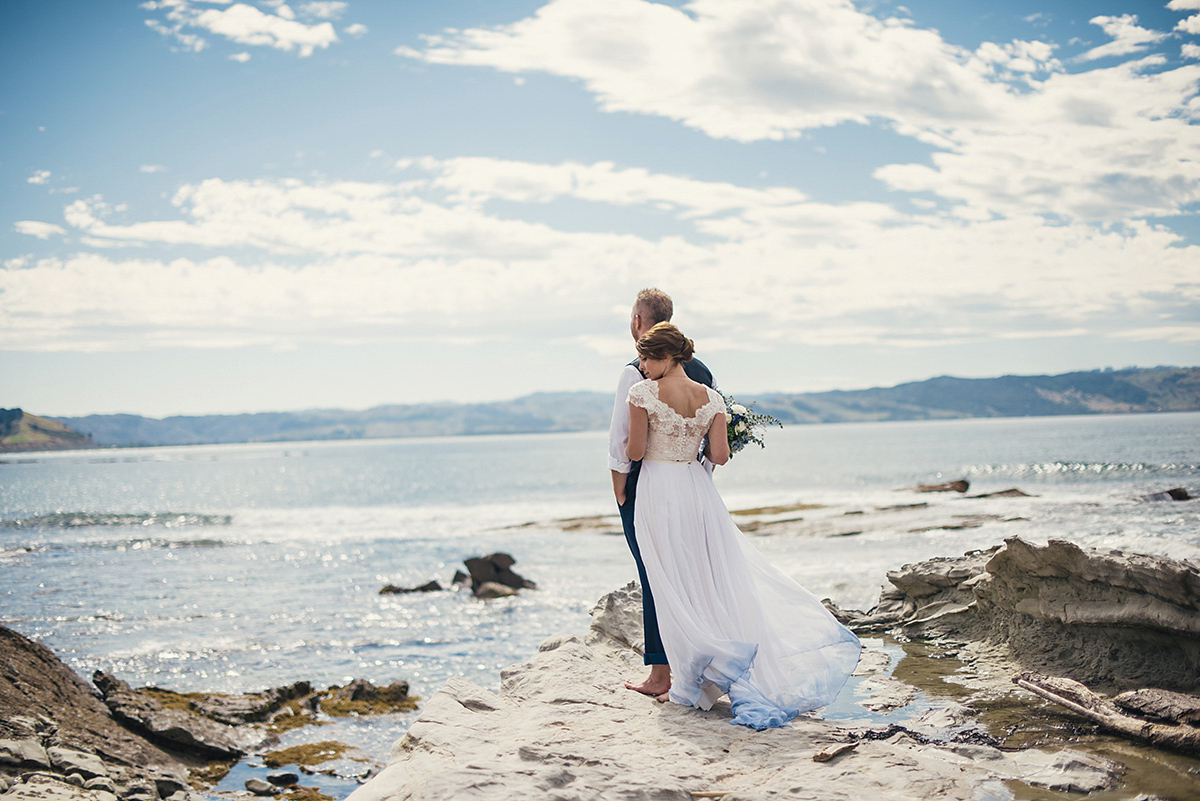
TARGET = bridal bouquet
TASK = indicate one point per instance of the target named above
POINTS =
(744, 425)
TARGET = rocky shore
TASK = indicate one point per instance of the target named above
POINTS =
(563, 726)
(62, 740)
(1021, 671)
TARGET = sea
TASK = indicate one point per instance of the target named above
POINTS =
(234, 568)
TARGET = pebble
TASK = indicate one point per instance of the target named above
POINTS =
(260, 787)
(283, 778)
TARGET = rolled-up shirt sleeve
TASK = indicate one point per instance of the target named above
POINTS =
(618, 430)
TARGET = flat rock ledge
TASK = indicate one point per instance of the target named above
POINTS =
(564, 727)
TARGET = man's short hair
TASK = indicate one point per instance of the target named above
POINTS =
(654, 306)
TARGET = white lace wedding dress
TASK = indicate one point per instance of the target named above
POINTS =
(731, 623)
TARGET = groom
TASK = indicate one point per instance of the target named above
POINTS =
(651, 307)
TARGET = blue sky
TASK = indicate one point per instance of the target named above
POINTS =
(219, 207)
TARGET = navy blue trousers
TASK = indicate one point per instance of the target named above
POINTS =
(655, 654)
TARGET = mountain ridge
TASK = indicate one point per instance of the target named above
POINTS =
(1132, 390)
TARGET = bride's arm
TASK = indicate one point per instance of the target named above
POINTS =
(639, 428)
(717, 449)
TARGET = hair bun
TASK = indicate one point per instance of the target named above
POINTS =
(685, 352)
(665, 341)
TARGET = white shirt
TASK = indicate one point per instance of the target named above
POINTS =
(618, 429)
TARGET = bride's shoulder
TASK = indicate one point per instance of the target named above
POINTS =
(644, 390)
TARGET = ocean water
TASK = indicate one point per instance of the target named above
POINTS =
(241, 567)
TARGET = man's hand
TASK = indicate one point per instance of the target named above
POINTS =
(619, 486)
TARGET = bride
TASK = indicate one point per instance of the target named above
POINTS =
(731, 623)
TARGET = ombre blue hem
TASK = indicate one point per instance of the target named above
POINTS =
(731, 676)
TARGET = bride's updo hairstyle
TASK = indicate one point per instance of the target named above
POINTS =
(665, 341)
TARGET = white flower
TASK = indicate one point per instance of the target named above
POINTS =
(740, 427)
(737, 408)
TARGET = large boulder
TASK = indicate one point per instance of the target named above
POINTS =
(495, 568)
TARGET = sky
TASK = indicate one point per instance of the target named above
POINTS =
(216, 207)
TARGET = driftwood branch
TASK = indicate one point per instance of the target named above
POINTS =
(1079, 699)
(833, 751)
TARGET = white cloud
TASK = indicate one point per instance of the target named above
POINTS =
(1189, 24)
(243, 24)
(42, 230)
(1017, 132)
(760, 69)
(344, 261)
(39, 177)
(241, 58)
(357, 29)
(1128, 37)
(152, 168)
(1189, 50)
(1107, 144)
(1018, 56)
(323, 9)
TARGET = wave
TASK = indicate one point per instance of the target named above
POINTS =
(84, 519)
(1065, 468)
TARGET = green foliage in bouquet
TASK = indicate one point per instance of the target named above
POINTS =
(744, 425)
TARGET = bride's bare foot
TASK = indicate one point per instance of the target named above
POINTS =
(662, 699)
(649, 687)
(657, 683)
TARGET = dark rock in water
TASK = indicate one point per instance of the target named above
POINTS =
(236, 710)
(283, 778)
(460, 578)
(392, 589)
(51, 720)
(175, 728)
(1173, 494)
(962, 485)
(361, 697)
(495, 568)
(1008, 493)
(1106, 617)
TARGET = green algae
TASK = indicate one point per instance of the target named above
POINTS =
(339, 708)
(306, 755)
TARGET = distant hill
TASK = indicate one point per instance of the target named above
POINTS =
(540, 412)
(1157, 389)
(21, 431)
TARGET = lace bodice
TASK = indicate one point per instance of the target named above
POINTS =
(672, 437)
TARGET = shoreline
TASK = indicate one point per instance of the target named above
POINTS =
(931, 701)
(563, 724)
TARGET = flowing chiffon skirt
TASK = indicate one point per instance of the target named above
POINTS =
(730, 622)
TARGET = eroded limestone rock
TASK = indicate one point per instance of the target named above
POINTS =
(1104, 617)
